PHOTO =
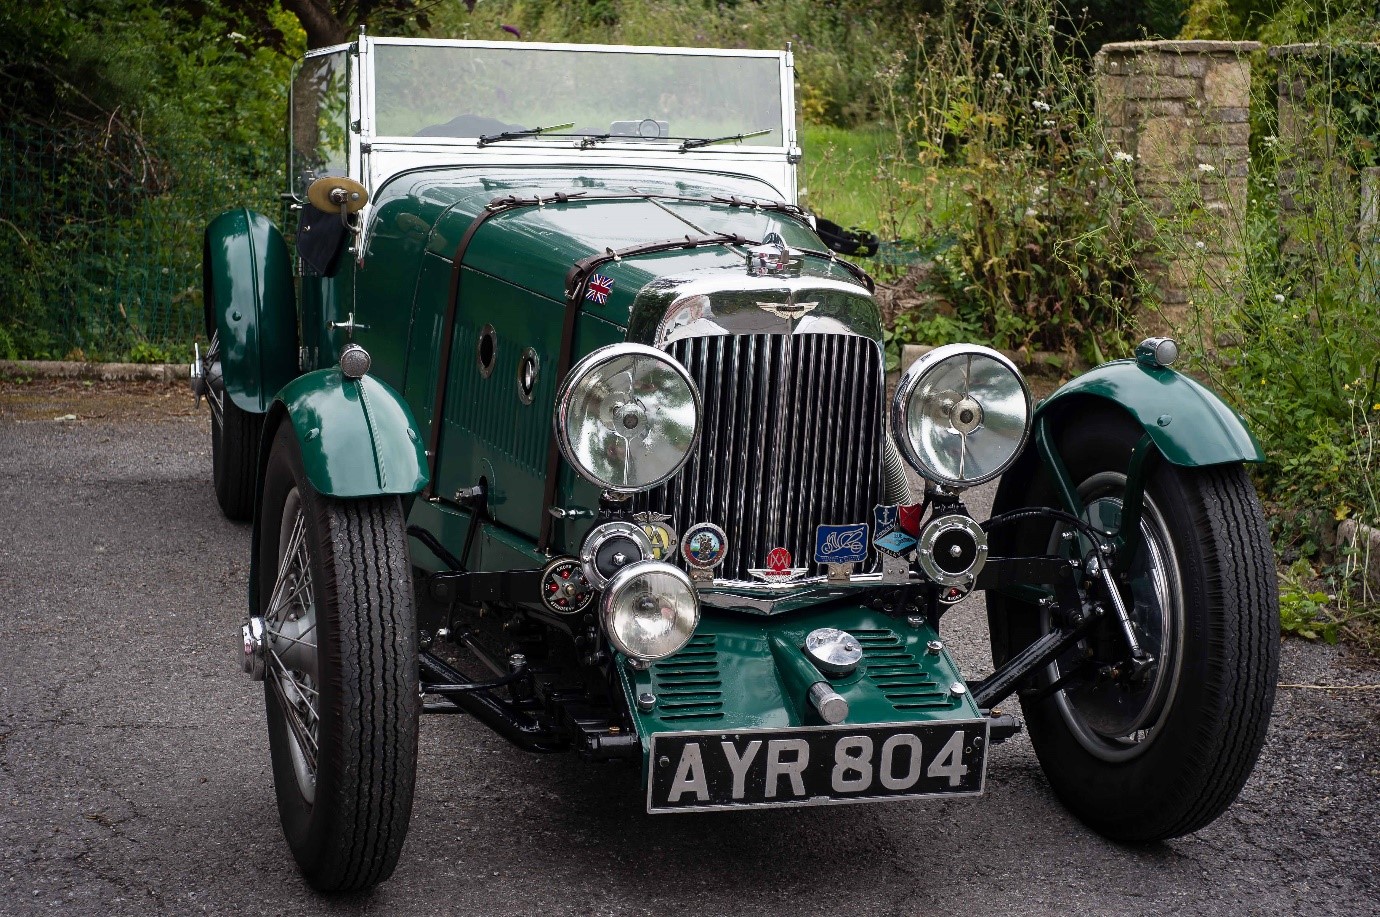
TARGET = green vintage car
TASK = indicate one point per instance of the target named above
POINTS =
(556, 377)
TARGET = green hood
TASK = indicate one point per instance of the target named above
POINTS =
(535, 247)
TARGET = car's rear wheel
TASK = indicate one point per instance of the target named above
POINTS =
(1149, 758)
(234, 443)
(341, 680)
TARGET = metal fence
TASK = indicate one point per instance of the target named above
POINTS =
(102, 235)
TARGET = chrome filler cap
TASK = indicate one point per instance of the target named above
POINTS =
(834, 652)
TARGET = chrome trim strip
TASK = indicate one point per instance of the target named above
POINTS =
(757, 597)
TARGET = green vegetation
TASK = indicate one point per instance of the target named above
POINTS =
(858, 177)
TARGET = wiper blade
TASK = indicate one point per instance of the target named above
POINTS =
(707, 141)
(486, 139)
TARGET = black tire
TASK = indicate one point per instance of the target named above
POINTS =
(235, 457)
(347, 819)
(1195, 729)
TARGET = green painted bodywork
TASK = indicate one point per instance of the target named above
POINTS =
(740, 671)
(357, 436)
(513, 279)
(747, 672)
(1189, 424)
(247, 273)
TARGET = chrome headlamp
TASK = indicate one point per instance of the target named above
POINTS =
(961, 414)
(627, 417)
(650, 610)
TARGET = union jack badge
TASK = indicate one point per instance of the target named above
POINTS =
(599, 288)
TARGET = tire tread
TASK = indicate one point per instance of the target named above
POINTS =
(372, 590)
(1247, 644)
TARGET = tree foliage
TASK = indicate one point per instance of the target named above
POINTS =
(332, 22)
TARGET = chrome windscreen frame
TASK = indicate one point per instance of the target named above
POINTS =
(381, 157)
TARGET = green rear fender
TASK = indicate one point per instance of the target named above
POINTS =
(247, 283)
(1187, 422)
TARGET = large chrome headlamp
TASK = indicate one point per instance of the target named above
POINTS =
(961, 414)
(627, 417)
(650, 610)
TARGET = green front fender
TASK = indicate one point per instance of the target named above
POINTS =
(247, 283)
(358, 436)
(1186, 421)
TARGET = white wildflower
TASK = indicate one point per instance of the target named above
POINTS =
(1204, 167)
(1279, 297)
(1031, 212)
(1200, 245)
(999, 75)
(1120, 156)
(1047, 123)
(1039, 106)
(235, 36)
(1049, 28)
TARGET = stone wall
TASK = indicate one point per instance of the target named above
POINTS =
(1180, 110)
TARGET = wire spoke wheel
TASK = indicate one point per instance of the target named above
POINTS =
(235, 436)
(290, 625)
(334, 589)
(1145, 756)
(1112, 718)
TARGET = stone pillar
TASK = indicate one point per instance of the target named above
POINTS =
(1180, 110)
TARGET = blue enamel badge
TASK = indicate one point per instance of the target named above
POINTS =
(889, 536)
(841, 544)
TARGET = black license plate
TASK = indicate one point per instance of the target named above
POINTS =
(814, 766)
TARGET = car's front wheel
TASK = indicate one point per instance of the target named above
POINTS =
(341, 673)
(1162, 754)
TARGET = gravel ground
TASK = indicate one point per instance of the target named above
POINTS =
(134, 774)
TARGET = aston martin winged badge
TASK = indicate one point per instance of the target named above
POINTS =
(788, 309)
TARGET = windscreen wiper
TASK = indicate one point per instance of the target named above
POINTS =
(487, 139)
(707, 141)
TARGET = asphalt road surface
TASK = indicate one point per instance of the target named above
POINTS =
(134, 770)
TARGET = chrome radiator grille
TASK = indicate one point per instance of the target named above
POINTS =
(792, 438)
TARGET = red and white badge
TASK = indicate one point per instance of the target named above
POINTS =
(778, 568)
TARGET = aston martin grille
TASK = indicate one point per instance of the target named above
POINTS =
(792, 438)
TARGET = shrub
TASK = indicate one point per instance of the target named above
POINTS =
(1001, 120)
